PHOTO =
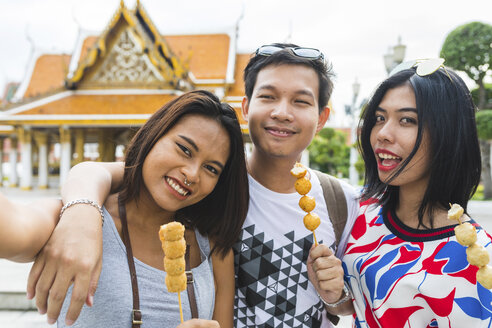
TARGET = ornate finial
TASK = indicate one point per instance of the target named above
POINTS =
(138, 3)
(122, 4)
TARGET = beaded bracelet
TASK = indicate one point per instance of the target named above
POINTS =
(83, 201)
(346, 297)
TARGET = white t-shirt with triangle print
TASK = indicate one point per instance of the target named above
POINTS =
(272, 287)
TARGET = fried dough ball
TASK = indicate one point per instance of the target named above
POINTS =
(484, 276)
(174, 267)
(307, 203)
(477, 255)
(172, 231)
(176, 284)
(466, 234)
(311, 221)
(303, 186)
(298, 171)
(455, 212)
(174, 249)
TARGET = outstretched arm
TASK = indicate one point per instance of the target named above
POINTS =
(24, 229)
(74, 251)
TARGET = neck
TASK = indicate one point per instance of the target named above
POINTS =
(272, 173)
(145, 213)
(410, 199)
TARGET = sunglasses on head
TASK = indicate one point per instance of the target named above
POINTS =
(308, 53)
(423, 67)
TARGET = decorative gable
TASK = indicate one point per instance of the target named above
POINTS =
(130, 53)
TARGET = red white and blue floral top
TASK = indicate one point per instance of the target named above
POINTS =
(403, 277)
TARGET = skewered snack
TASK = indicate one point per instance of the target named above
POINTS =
(306, 203)
(484, 276)
(476, 254)
(466, 234)
(174, 247)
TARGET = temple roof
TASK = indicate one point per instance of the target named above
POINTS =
(48, 75)
(130, 40)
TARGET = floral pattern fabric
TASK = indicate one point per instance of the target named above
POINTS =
(403, 277)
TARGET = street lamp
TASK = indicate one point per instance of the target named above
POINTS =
(394, 56)
(353, 174)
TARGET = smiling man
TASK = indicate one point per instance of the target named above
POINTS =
(287, 91)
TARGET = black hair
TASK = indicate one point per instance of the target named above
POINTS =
(286, 57)
(220, 214)
(446, 112)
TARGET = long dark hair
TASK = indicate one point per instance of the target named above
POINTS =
(219, 215)
(446, 112)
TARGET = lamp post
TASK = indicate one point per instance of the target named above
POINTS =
(353, 174)
(395, 56)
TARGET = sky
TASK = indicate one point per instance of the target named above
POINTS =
(353, 35)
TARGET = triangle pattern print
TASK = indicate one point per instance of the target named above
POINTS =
(269, 281)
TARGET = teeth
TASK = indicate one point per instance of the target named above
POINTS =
(177, 187)
(387, 156)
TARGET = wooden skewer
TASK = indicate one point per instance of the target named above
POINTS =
(315, 241)
(180, 307)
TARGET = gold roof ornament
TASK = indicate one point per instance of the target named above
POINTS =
(131, 38)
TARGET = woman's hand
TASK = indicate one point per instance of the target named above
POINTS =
(199, 323)
(72, 255)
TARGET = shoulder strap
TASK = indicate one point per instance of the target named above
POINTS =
(136, 313)
(335, 202)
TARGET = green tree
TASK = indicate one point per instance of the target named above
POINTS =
(468, 48)
(488, 96)
(329, 152)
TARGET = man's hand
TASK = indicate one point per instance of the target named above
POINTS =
(326, 273)
(73, 255)
(199, 323)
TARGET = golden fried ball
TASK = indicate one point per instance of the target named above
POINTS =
(466, 234)
(174, 266)
(174, 249)
(455, 212)
(477, 255)
(311, 221)
(176, 284)
(307, 203)
(484, 276)
(303, 186)
(171, 231)
(298, 171)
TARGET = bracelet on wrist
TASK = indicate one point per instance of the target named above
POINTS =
(83, 201)
(346, 296)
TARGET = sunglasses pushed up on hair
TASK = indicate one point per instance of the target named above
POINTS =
(423, 67)
(308, 53)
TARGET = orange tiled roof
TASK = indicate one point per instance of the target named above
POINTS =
(48, 74)
(209, 53)
(86, 45)
(102, 105)
(237, 89)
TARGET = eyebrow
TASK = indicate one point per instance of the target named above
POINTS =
(193, 144)
(298, 92)
(404, 109)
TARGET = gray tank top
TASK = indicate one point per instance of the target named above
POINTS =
(113, 299)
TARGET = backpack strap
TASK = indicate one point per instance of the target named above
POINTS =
(335, 203)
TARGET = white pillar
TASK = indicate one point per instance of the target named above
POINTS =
(25, 136)
(41, 139)
(1, 161)
(13, 162)
(65, 153)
